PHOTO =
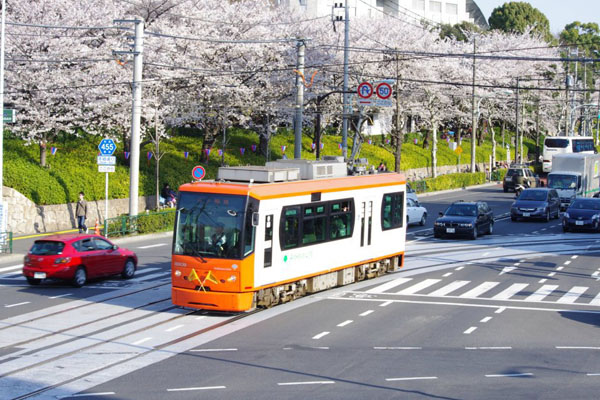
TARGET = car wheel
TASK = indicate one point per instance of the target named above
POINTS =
(513, 218)
(475, 233)
(80, 277)
(437, 235)
(423, 219)
(491, 229)
(128, 269)
(33, 281)
(565, 229)
(547, 219)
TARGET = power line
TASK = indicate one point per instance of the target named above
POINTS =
(241, 41)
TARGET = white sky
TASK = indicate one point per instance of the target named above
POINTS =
(558, 12)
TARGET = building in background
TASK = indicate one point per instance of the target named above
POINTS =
(431, 11)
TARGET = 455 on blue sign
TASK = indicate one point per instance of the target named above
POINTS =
(107, 147)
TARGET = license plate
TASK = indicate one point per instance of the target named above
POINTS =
(527, 214)
(450, 230)
(578, 222)
(39, 275)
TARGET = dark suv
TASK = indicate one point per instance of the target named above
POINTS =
(519, 174)
(465, 219)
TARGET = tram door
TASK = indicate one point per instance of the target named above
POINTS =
(366, 222)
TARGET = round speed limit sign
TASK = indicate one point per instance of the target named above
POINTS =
(384, 90)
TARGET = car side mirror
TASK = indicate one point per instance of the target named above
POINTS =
(115, 247)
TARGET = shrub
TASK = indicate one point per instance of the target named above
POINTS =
(449, 181)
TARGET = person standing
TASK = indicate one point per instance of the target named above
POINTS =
(81, 213)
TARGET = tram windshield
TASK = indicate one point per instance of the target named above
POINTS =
(209, 225)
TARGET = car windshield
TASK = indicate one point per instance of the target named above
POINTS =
(586, 205)
(462, 210)
(533, 195)
(47, 248)
(562, 181)
(209, 225)
(511, 172)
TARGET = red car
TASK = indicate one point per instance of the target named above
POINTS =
(77, 258)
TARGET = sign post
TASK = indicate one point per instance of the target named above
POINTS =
(106, 164)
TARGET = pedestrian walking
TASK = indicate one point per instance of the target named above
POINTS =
(81, 213)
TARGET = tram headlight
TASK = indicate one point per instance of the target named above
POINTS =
(232, 278)
(177, 273)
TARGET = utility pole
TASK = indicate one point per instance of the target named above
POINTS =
(398, 153)
(299, 99)
(2, 29)
(473, 119)
(517, 124)
(346, 107)
(136, 111)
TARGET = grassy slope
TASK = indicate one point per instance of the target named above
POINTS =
(73, 168)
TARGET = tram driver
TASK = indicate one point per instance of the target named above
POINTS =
(218, 239)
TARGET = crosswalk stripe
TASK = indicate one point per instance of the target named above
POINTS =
(479, 290)
(449, 288)
(542, 292)
(596, 301)
(511, 291)
(11, 268)
(389, 285)
(419, 286)
(572, 294)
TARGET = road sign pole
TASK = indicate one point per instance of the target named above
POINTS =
(106, 199)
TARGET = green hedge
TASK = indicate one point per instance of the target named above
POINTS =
(449, 181)
(162, 221)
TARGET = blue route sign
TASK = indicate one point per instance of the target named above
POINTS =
(107, 147)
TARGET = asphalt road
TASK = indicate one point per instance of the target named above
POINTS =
(511, 315)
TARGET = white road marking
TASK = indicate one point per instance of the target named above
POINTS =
(397, 348)
(366, 313)
(574, 257)
(596, 301)
(347, 322)
(459, 268)
(542, 292)
(320, 335)
(140, 270)
(388, 285)
(195, 388)
(551, 274)
(560, 268)
(486, 253)
(577, 348)
(489, 348)
(165, 274)
(17, 304)
(506, 270)
(447, 274)
(419, 286)
(470, 330)
(542, 280)
(509, 375)
(517, 264)
(593, 374)
(479, 290)
(174, 328)
(211, 350)
(500, 310)
(572, 294)
(152, 245)
(449, 288)
(387, 303)
(486, 319)
(144, 340)
(200, 317)
(60, 295)
(12, 267)
(87, 394)
(416, 378)
(306, 383)
(511, 291)
(567, 262)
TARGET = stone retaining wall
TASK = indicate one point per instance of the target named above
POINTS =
(25, 217)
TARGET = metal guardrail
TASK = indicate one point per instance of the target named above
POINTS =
(142, 223)
(6, 242)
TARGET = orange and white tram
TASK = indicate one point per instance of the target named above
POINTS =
(240, 245)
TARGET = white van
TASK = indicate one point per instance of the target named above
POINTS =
(565, 144)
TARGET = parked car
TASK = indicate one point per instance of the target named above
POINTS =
(415, 213)
(519, 174)
(411, 193)
(583, 213)
(539, 203)
(77, 258)
(465, 219)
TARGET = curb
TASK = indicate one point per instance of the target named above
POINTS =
(427, 194)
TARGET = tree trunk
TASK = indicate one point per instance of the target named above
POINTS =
(43, 150)
(318, 133)
(157, 160)
(434, 152)
(491, 127)
(480, 135)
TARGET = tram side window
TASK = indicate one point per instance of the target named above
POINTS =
(291, 227)
(391, 210)
(340, 220)
(314, 224)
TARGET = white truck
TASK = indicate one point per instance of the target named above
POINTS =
(574, 175)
